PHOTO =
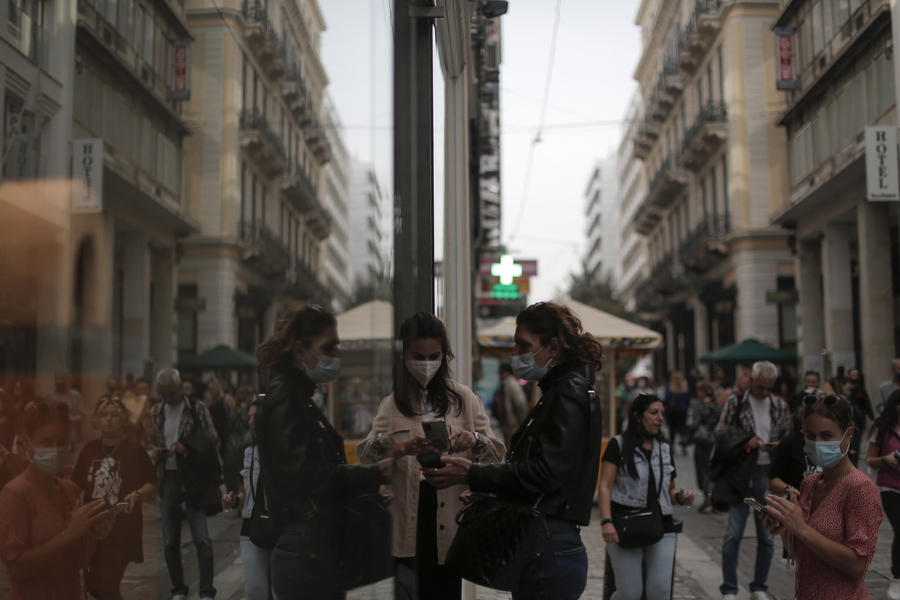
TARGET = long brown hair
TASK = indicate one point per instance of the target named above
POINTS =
(549, 320)
(303, 324)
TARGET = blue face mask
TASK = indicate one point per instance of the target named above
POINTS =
(525, 367)
(825, 454)
(326, 370)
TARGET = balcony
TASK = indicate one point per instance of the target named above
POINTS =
(295, 95)
(705, 245)
(319, 222)
(646, 218)
(699, 34)
(299, 190)
(318, 142)
(666, 185)
(262, 144)
(705, 136)
(264, 250)
(660, 281)
(262, 39)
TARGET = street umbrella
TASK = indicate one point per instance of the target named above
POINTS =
(220, 357)
(748, 351)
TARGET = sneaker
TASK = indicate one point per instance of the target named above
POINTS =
(894, 590)
(759, 596)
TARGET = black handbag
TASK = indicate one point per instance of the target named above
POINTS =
(495, 540)
(364, 553)
(639, 527)
(262, 533)
(201, 468)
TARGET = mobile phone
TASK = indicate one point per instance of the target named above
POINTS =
(431, 460)
(118, 508)
(436, 432)
(757, 506)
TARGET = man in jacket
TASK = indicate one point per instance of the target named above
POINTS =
(765, 420)
(169, 422)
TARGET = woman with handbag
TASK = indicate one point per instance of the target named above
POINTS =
(304, 467)
(551, 469)
(424, 523)
(637, 491)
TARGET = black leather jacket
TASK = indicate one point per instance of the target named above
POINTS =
(556, 451)
(302, 460)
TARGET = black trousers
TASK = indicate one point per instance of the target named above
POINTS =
(104, 579)
(432, 581)
(890, 501)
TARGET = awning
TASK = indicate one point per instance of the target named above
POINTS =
(220, 357)
(747, 352)
(369, 326)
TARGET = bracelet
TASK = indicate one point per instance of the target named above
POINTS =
(605, 520)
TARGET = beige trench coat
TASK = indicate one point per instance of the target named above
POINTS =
(397, 427)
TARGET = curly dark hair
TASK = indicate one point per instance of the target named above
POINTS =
(424, 325)
(549, 320)
(303, 324)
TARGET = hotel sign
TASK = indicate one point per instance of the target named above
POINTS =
(784, 52)
(87, 176)
(181, 66)
(882, 183)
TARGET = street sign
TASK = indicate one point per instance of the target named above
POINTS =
(784, 47)
(881, 164)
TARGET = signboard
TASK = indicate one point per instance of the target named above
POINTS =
(87, 176)
(881, 164)
(181, 67)
(782, 297)
(784, 52)
(529, 267)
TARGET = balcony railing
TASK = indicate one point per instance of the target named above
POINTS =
(666, 185)
(318, 142)
(646, 218)
(296, 95)
(263, 39)
(659, 277)
(705, 136)
(299, 190)
(262, 143)
(27, 36)
(319, 222)
(699, 34)
(265, 247)
(699, 249)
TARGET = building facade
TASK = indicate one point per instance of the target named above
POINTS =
(601, 211)
(714, 161)
(369, 232)
(632, 186)
(256, 171)
(846, 247)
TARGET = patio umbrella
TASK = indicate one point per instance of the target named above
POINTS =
(220, 357)
(748, 351)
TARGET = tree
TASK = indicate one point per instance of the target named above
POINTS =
(586, 287)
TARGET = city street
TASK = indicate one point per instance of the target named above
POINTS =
(697, 570)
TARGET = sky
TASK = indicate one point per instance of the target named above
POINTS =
(591, 85)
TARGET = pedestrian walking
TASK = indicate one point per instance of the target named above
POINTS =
(115, 469)
(304, 465)
(511, 405)
(704, 420)
(555, 455)
(831, 529)
(170, 422)
(63, 392)
(638, 477)
(424, 515)
(855, 390)
(46, 534)
(888, 387)
(752, 424)
(678, 401)
(884, 446)
(741, 384)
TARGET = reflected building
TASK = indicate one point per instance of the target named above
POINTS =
(259, 174)
(715, 163)
(369, 227)
(601, 214)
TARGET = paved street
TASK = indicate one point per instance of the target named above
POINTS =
(697, 570)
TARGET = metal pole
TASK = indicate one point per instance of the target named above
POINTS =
(413, 161)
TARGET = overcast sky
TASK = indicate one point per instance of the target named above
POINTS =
(597, 49)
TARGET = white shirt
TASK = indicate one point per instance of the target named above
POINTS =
(763, 417)
(170, 426)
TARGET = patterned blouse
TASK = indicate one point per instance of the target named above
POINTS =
(849, 514)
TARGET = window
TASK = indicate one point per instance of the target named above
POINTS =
(122, 18)
(871, 95)
(841, 14)
(138, 28)
(820, 138)
(801, 146)
(148, 146)
(149, 35)
(828, 20)
(167, 162)
(818, 28)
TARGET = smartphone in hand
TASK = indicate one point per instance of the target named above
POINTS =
(431, 460)
(118, 508)
(755, 505)
(436, 432)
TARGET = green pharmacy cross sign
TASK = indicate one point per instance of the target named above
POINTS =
(507, 270)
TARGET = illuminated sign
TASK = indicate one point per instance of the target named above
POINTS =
(505, 292)
(506, 269)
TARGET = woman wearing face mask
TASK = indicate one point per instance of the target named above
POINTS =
(554, 457)
(639, 472)
(302, 458)
(44, 529)
(831, 529)
(424, 512)
(883, 446)
(115, 469)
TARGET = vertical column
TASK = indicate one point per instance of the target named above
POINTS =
(809, 268)
(162, 318)
(671, 346)
(135, 304)
(701, 332)
(876, 302)
(838, 296)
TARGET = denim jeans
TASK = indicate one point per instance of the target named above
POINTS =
(304, 562)
(257, 562)
(765, 545)
(558, 568)
(627, 565)
(170, 499)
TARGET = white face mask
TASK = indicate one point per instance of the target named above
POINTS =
(423, 370)
(51, 460)
(327, 369)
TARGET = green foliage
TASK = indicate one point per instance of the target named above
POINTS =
(587, 287)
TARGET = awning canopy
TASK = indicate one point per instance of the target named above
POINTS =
(610, 331)
(748, 351)
(369, 326)
(220, 357)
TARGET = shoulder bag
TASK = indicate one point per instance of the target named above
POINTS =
(639, 527)
(262, 533)
(364, 530)
(495, 541)
(200, 468)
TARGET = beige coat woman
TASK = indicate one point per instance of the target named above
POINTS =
(390, 427)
